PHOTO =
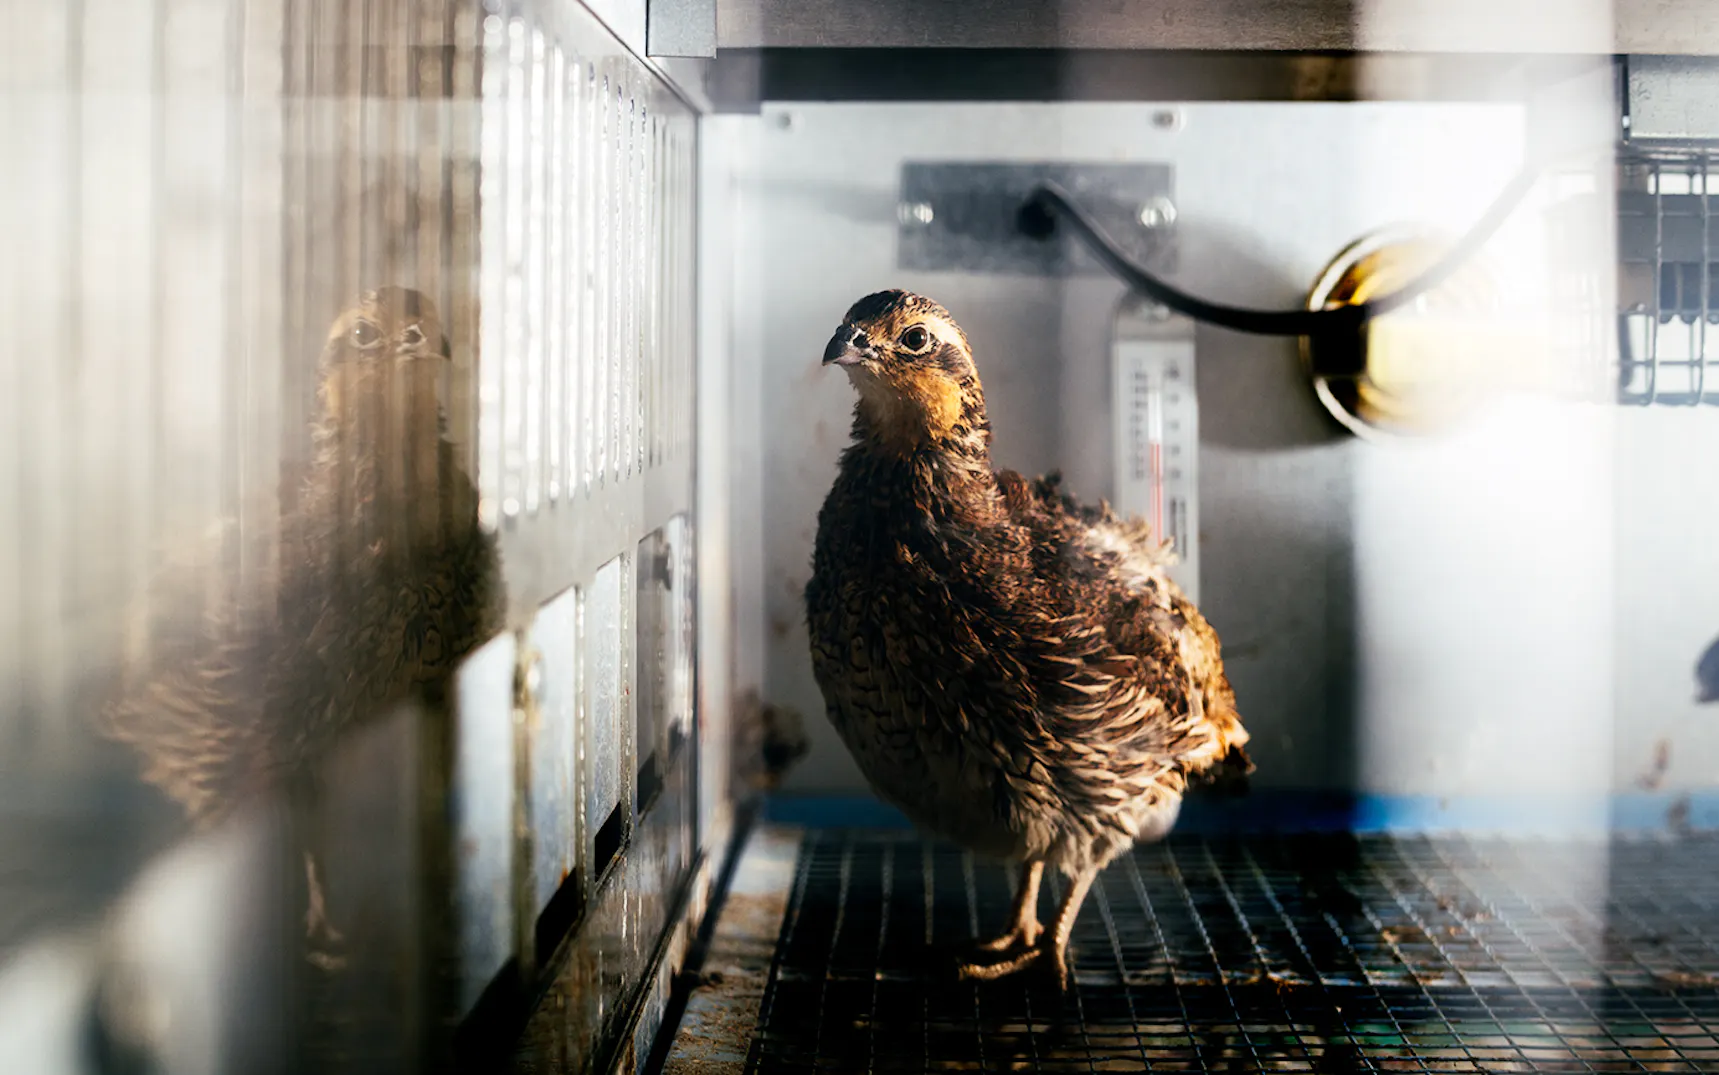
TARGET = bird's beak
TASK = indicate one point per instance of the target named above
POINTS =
(847, 348)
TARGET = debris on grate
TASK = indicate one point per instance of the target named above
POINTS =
(1319, 953)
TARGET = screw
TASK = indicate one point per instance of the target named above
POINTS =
(919, 213)
(1160, 212)
(785, 121)
(1167, 119)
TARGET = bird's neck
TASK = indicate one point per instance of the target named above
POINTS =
(389, 496)
(948, 479)
(941, 420)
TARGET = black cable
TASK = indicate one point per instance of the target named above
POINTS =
(1037, 218)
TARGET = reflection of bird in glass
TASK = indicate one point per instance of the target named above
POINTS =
(1707, 675)
(383, 581)
(1013, 670)
(767, 740)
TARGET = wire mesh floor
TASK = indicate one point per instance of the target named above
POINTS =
(1326, 953)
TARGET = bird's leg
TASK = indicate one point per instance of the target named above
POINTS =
(1063, 926)
(1024, 928)
(316, 923)
(317, 928)
(1052, 946)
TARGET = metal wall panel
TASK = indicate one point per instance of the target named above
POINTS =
(1342, 575)
(1530, 26)
(483, 817)
(608, 713)
(555, 815)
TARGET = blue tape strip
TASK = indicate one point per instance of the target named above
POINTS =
(1316, 811)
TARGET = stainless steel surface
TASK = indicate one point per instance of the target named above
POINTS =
(591, 291)
(482, 801)
(421, 274)
(652, 688)
(608, 965)
(555, 818)
(680, 28)
(609, 754)
(1671, 98)
(715, 1034)
(728, 541)
(740, 78)
(962, 216)
(626, 20)
(680, 631)
(1344, 579)
(192, 974)
(1531, 26)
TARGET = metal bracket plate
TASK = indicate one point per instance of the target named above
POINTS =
(960, 216)
(1671, 98)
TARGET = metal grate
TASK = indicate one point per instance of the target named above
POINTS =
(1323, 953)
(1668, 280)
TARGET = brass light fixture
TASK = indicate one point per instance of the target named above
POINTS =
(1415, 370)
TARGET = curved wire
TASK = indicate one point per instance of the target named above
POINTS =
(1048, 201)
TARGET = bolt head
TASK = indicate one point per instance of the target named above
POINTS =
(1159, 212)
(919, 214)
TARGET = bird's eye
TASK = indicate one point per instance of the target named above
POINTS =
(365, 333)
(916, 338)
(412, 336)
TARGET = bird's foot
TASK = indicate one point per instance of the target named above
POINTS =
(317, 927)
(1041, 954)
(324, 941)
(1020, 935)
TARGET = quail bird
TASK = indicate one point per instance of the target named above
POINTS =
(1013, 670)
(384, 581)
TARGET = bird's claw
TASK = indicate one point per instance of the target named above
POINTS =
(1039, 954)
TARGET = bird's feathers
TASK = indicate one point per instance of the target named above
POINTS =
(1008, 665)
(371, 588)
(1707, 675)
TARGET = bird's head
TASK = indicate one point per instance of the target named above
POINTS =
(914, 372)
(383, 365)
(387, 329)
(383, 373)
